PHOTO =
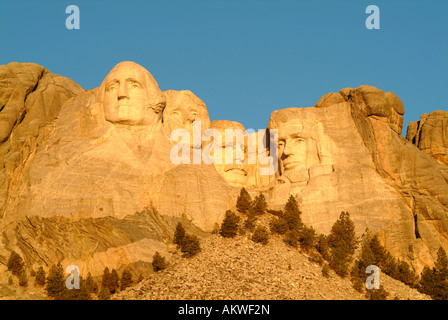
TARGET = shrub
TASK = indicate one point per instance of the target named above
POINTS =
(250, 222)
(215, 228)
(322, 247)
(104, 294)
(15, 264)
(23, 279)
(377, 294)
(110, 280)
(40, 276)
(326, 270)
(292, 238)
(158, 262)
(316, 258)
(279, 226)
(126, 278)
(260, 235)
(190, 246)
(307, 238)
(91, 285)
(229, 227)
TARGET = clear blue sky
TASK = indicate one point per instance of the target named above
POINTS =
(243, 58)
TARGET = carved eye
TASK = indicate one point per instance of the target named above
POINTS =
(135, 85)
(112, 87)
(281, 144)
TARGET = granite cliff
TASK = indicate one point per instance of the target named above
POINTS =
(87, 177)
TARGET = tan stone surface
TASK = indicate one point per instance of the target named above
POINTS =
(430, 135)
(79, 166)
(349, 156)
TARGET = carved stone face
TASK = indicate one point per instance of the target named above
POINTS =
(182, 109)
(131, 96)
(234, 173)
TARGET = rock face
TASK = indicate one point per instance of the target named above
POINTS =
(430, 135)
(346, 154)
(92, 178)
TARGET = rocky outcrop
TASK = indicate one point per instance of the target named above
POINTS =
(31, 97)
(346, 154)
(88, 177)
(430, 134)
(229, 269)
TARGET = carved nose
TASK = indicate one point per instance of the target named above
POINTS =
(287, 151)
(123, 92)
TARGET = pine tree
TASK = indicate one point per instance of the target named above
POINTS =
(115, 280)
(377, 294)
(158, 262)
(339, 262)
(23, 279)
(441, 264)
(260, 235)
(56, 282)
(378, 251)
(179, 235)
(190, 246)
(307, 238)
(104, 294)
(292, 213)
(126, 279)
(91, 285)
(107, 280)
(322, 246)
(77, 294)
(406, 274)
(279, 225)
(40, 276)
(229, 227)
(342, 234)
(292, 238)
(244, 201)
(259, 205)
(343, 243)
(15, 264)
(326, 270)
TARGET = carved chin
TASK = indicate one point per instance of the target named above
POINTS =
(297, 175)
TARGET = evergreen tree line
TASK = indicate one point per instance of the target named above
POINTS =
(337, 250)
(55, 283)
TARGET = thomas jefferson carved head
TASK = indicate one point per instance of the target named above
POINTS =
(131, 96)
(182, 108)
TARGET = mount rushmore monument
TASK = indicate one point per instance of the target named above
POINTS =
(87, 176)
